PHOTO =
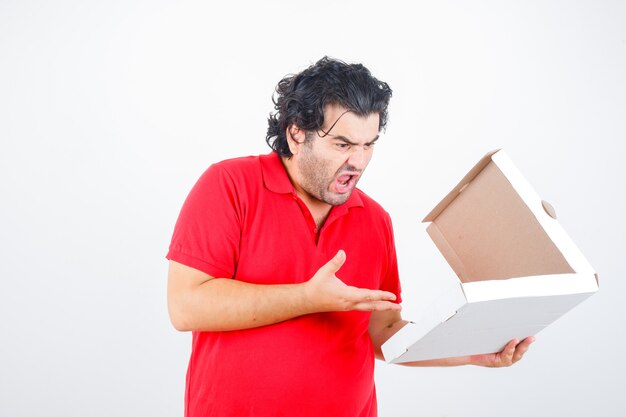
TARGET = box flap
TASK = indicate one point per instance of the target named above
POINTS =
(552, 228)
(456, 190)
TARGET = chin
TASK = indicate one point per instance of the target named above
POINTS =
(337, 199)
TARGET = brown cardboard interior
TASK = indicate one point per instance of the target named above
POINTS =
(487, 232)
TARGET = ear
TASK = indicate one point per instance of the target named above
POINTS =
(295, 138)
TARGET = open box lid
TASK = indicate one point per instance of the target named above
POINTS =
(494, 226)
(517, 268)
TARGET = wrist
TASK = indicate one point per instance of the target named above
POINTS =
(305, 298)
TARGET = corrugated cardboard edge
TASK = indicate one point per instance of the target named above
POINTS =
(456, 190)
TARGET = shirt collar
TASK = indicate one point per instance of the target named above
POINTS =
(276, 180)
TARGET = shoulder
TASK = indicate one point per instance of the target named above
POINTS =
(238, 166)
(228, 178)
(234, 171)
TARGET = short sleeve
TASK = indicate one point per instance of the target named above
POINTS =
(207, 232)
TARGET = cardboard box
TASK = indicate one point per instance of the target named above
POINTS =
(518, 270)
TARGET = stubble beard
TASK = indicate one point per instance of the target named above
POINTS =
(315, 180)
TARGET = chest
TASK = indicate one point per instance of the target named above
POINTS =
(281, 243)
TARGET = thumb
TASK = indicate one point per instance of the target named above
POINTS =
(336, 262)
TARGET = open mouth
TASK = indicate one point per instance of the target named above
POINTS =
(345, 183)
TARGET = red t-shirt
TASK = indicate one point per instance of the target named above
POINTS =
(243, 220)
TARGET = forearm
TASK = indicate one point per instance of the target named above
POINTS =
(197, 301)
(511, 353)
(226, 304)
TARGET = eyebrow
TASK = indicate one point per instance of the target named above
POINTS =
(349, 142)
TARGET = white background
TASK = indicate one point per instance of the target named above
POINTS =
(109, 111)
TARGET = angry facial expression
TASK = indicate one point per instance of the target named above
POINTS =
(330, 162)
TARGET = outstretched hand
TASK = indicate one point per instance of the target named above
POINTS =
(325, 292)
(512, 352)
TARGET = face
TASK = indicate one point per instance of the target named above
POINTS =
(328, 167)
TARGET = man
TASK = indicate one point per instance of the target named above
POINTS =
(286, 272)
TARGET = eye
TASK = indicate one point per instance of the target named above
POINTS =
(342, 146)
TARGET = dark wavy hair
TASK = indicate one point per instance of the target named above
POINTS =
(300, 99)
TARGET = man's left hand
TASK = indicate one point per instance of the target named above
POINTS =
(512, 352)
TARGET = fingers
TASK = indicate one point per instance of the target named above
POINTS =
(371, 300)
(522, 348)
(505, 358)
(509, 349)
(514, 351)
(329, 293)
(335, 263)
(364, 295)
(378, 306)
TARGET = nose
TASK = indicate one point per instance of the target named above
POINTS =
(360, 157)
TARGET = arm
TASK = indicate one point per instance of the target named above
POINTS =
(197, 301)
(384, 324)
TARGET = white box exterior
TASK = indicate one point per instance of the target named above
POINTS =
(482, 314)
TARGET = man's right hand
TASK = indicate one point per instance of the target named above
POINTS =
(325, 292)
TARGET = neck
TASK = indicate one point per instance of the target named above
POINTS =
(318, 209)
